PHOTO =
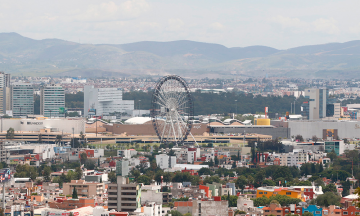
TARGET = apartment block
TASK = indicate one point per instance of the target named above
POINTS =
(124, 196)
(22, 99)
(83, 188)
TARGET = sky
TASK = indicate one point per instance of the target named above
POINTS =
(281, 24)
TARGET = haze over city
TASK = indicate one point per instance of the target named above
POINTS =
(179, 108)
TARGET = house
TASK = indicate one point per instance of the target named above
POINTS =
(315, 210)
(273, 209)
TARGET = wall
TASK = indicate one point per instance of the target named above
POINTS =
(60, 125)
(151, 196)
(307, 129)
(272, 131)
(219, 208)
(148, 129)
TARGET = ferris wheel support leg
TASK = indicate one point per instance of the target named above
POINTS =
(194, 139)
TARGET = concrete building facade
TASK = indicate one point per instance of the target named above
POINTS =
(83, 188)
(315, 107)
(124, 196)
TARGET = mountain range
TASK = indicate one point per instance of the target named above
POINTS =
(25, 56)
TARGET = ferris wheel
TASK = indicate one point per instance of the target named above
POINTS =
(172, 110)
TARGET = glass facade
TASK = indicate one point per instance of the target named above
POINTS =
(52, 101)
(22, 99)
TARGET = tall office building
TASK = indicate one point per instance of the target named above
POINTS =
(315, 106)
(105, 101)
(4, 92)
(22, 99)
(52, 101)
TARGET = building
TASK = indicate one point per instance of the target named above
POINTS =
(122, 168)
(269, 191)
(68, 204)
(315, 107)
(124, 196)
(4, 92)
(311, 192)
(292, 209)
(126, 153)
(52, 101)
(337, 145)
(210, 207)
(315, 210)
(103, 101)
(152, 193)
(83, 188)
(273, 209)
(22, 99)
(165, 161)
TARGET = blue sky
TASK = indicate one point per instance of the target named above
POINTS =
(234, 23)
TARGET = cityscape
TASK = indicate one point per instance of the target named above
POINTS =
(151, 108)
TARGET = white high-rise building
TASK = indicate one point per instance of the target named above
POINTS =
(52, 101)
(104, 101)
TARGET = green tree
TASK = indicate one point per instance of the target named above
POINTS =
(10, 133)
(144, 179)
(299, 138)
(174, 213)
(112, 177)
(74, 194)
(78, 173)
(241, 182)
(82, 136)
(332, 155)
(47, 172)
(58, 139)
(83, 158)
(40, 138)
(330, 188)
(307, 214)
(232, 200)
(357, 191)
(328, 198)
(204, 171)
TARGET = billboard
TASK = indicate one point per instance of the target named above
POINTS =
(62, 110)
(5, 175)
(92, 111)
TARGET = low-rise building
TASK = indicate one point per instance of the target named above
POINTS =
(83, 188)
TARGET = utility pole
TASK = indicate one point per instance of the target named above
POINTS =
(73, 138)
(236, 107)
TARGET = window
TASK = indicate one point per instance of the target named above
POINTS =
(260, 192)
(267, 210)
(345, 213)
(286, 210)
(318, 212)
(288, 193)
(265, 192)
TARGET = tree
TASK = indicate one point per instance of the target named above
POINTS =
(232, 200)
(144, 179)
(112, 177)
(74, 194)
(10, 133)
(328, 198)
(237, 212)
(82, 136)
(2, 213)
(216, 160)
(314, 139)
(83, 158)
(332, 155)
(211, 163)
(299, 138)
(78, 173)
(307, 214)
(241, 182)
(39, 138)
(204, 171)
(174, 213)
(330, 188)
(47, 172)
(357, 191)
(58, 139)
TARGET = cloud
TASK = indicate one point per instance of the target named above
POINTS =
(175, 24)
(328, 26)
(322, 25)
(217, 26)
(111, 11)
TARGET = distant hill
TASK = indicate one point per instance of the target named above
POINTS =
(25, 56)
